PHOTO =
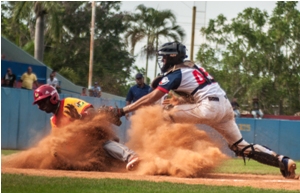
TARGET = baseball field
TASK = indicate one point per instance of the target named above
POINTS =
(174, 158)
(231, 176)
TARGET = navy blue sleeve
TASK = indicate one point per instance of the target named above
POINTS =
(170, 82)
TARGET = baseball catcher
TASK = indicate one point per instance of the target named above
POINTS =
(69, 109)
(209, 106)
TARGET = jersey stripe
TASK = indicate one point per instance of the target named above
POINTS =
(162, 89)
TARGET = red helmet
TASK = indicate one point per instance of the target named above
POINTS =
(45, 91)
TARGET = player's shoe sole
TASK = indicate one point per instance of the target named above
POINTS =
(132, 164)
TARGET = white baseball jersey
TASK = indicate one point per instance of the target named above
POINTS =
(217, 114)
(191, 81)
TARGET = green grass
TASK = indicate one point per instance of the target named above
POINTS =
(12, 183)
(7, 152)
(16, 183)
(237, 166)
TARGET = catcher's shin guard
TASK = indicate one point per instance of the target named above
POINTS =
(265, 156)
(261, 157)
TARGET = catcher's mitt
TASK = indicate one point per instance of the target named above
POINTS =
(177, 98)
(114, 114)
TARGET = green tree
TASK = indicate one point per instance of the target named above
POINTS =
(37, 11)
(112, 63)
(18, 33)
(68, 53)
(164, 25)
(152, 24)
(256, 55)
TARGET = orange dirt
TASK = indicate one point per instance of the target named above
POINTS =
(179, 153)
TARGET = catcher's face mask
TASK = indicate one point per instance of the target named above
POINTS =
(168, 61)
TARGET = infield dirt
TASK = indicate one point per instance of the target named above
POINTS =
(180, 152)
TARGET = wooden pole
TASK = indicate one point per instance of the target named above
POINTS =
(92, 45)
(193, 33)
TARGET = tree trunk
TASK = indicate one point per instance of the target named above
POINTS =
(147, 58)
(39, 37)
(156, 60)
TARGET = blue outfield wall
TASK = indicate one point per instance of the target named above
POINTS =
(23, 125)
(282, 136)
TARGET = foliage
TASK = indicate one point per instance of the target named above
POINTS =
(112, 63)
(67, 50)
(39, 13)
(17, 32)
(257, 55)
(152, 24)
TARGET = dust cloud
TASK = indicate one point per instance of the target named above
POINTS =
(180, 150)
(77, 146)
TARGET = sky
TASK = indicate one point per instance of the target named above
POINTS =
(205, 10)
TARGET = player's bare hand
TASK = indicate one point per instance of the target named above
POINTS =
(72, 112)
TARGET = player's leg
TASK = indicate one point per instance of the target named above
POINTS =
(219, 115)
(123, 153)
(254, 114)
(265, 155)
(235, 113)
(261, 114)
(204, 112)
(238, 113)
(262, 154)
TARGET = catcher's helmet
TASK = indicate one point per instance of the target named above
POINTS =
(174, 49)
(174, 52)
(45, 91)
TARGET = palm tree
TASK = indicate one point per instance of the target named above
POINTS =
(39, 10)
(140, 29)
(152, 24)
(162, 28)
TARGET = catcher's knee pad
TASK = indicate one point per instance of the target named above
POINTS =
(256, 152)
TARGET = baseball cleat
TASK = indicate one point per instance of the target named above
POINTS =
(132, 163)
(289, 169)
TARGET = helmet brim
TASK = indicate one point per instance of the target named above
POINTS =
(162, 53)
(40, 98)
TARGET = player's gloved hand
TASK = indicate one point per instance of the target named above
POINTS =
(114, 113)
(72, 112)
(118, 111)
